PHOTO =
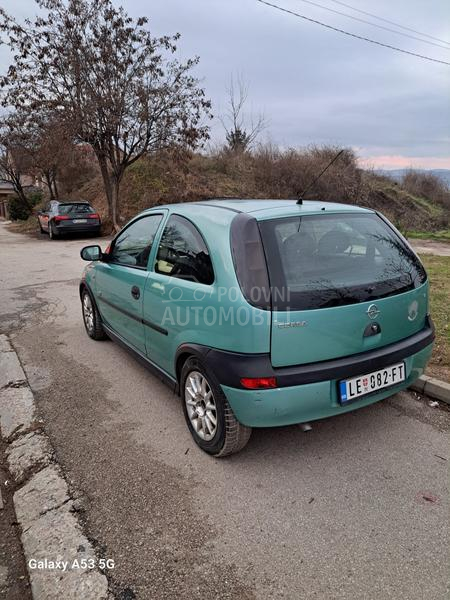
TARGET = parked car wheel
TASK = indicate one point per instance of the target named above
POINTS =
(91, 317)
(208, 415)
(52, 234)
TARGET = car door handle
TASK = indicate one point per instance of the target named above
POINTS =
(135, 292)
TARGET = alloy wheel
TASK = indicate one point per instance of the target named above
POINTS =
(88, 313)
(200, 405)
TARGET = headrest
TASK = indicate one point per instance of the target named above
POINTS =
(334, 242)
(299, 244)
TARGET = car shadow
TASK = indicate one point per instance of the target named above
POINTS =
(337, 439)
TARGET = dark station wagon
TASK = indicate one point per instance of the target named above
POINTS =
(59, 218)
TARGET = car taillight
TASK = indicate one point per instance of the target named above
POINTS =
(94, 216)
(61, 218)
(259, 383)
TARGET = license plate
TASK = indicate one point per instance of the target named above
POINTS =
(366, 384)
(80, 221)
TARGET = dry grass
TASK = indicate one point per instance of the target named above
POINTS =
(438, 268)
(436, 236)
(268, 172)
(30, 226)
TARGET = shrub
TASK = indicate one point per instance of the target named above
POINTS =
(35, 198)
(18, 209)
(426, 185)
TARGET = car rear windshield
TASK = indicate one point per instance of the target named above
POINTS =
(319, 261)
(65, 209)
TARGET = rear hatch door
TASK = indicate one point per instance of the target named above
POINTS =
(342, 284)
(78, 214)
(300, 337)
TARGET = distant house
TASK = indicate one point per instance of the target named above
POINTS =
(6, 189)
(29, 182)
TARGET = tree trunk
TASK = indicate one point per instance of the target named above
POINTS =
(107, 186)
(22, 196)
(115, 188)
(55, 187)
(20, 191)
(48, 183)
(111, 184)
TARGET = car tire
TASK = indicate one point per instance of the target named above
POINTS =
(199, 389)
(51, 231)
(91, 317)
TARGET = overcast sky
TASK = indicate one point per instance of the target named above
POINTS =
(315, 85)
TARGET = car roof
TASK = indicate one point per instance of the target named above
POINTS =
(260, 209)
(72, 202)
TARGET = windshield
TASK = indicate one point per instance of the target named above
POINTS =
(318, 261)
(65, 209)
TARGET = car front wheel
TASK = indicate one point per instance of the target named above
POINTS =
(52, 233)
(209, 417)
(91, 317)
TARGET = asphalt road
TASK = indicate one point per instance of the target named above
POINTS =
(355, 508)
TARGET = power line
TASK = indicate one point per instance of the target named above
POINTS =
(354, 35)
(337, 12)
(368, 14)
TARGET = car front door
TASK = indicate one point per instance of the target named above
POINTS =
(120, 281)
(177, 291)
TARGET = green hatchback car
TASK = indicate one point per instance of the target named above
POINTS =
(263, 313)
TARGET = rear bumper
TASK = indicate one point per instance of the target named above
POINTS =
(78, 228)
(312, 401)
(230, 367)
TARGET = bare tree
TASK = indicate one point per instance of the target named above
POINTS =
(80, 167)
(109, 78)
(241, 131)
(40, 143)
(14, 163)
(48, 140)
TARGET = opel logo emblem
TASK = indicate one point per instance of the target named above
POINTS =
(373, 311)
(413, 310)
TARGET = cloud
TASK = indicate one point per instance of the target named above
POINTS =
(315, 85)
(404, 162)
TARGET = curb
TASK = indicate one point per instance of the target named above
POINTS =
(61, 561)
(435, 388)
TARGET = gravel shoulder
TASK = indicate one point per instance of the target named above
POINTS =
(61, 562)
(14, 582)
(430, 247)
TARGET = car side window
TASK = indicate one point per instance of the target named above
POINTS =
(183, 253)
(132, 247)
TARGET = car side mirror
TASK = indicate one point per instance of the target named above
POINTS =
(91, 253)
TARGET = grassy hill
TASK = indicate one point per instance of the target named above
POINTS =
(271, 173)
(399, 174)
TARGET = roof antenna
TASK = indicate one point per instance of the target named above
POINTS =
(308, 187)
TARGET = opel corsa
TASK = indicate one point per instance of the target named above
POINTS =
(263, 313)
